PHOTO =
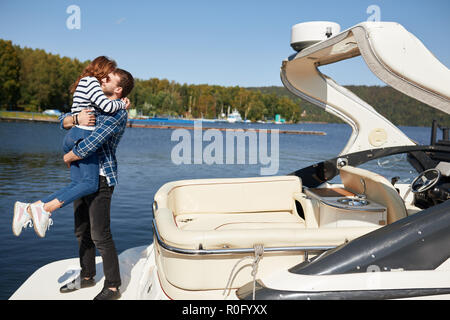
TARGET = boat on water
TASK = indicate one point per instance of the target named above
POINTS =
(234, 116)
(301, 235)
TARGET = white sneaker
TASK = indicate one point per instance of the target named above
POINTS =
(21, 218)
(41, 219)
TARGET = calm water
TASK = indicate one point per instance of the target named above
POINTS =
(31, 167)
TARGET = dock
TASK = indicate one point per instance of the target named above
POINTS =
(133, 124)
(171, 127)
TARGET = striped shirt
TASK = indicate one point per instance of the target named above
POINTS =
(89, 94)
(104, 140)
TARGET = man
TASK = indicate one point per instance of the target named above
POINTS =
(92, 212)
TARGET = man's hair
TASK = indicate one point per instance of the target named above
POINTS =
(126, 81)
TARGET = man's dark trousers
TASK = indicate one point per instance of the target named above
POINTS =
(92, 229)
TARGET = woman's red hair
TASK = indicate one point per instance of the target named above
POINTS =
(100, 67)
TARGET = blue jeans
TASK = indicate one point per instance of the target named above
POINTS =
(83, 173)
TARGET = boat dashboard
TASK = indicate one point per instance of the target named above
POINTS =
(429, 186)
(432, 186)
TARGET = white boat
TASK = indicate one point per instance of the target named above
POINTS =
(222, 118)
(299, 236)
(234, 116)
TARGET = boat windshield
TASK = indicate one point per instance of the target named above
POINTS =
(392, 167)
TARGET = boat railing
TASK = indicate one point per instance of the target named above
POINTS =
(201, 251)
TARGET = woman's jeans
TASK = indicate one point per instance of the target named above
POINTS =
(84, 173)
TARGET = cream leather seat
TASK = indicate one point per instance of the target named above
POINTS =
(378, 189)
(213, 212)
(233, 213)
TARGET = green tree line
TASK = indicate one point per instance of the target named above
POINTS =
(34, 80)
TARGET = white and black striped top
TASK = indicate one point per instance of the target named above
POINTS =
(89, 94)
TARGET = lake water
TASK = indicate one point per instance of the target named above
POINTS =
(31, 167)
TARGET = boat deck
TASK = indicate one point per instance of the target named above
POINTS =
(45, 282)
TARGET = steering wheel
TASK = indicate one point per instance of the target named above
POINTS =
(425, 180)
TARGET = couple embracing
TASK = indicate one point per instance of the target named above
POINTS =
(96, 124)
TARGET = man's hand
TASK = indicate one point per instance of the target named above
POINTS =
(86, 117)
(127, 102)
(70, 157)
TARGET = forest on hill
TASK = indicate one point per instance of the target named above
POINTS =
(34, 80)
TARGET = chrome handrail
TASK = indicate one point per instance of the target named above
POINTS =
(201, 251)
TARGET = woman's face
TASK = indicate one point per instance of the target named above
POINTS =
(105, 80)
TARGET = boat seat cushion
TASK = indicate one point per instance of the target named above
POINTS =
(239, 221)
(378, 189)
(258, 194)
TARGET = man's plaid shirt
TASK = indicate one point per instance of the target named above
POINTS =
(104, 140)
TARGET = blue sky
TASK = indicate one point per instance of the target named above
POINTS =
(215, 42)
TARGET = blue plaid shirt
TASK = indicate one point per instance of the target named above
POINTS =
(103, 140)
